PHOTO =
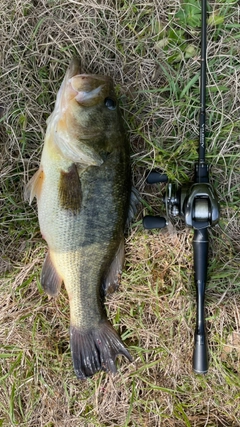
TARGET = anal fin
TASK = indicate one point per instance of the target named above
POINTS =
(50, 280)
(112, 279)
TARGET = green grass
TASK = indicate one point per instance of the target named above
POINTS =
(151, 49)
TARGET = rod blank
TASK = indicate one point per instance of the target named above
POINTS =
(203, 77)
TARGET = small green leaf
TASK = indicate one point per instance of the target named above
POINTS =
(190, 51)
(215, 19)
(161, 44)
(190, 14)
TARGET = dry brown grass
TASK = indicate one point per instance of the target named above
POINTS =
(155, 306)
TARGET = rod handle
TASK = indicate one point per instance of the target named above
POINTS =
(200, 255)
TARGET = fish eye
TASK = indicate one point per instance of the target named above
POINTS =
(110, 103)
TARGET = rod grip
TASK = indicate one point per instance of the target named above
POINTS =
(200, 254)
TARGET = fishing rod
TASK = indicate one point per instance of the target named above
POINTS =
(197, 204)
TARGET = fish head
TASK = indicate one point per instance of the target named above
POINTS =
(95, 105)
(86, 111)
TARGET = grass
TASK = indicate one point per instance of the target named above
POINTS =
(151, 49)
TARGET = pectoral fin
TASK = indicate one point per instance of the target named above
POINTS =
(50, 280)
(34, 186)
(70, 193)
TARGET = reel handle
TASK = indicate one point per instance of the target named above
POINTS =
(200, 254)
(150, 222)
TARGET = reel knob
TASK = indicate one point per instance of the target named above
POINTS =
(154, 177)
(150, 222)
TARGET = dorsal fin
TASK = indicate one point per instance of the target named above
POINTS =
(133, 205)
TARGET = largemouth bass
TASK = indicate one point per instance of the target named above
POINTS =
(83, 188)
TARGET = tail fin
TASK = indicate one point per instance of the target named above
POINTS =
(96, 349)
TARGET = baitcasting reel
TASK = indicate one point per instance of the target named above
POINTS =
(196, 203)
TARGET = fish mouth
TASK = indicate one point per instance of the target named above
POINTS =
(90, 89)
